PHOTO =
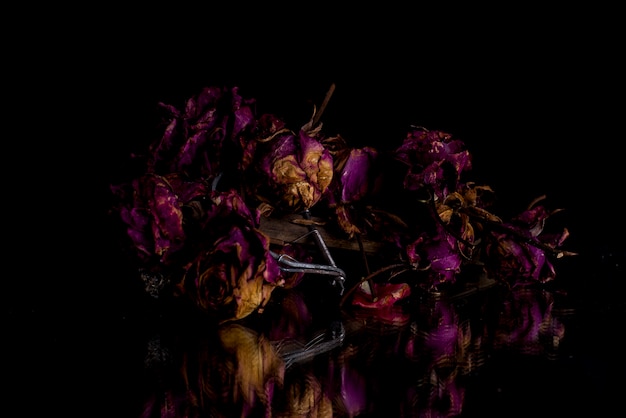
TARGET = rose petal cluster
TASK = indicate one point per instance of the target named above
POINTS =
(217, 167)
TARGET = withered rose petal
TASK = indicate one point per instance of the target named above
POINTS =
(268, 125)
(168, 217)
(286, 171)
(357, 173)
(152, 212)
(190, 158)
(441, 255)
(387, 294)
(198, 140)
(203, 102)
(187, 190)
(316, 161)
(230, 205)
(433, 158)
(244, 120)
(533, 220)
(161, 151)
(142, 241)
(413, 250)
(509, 259)
(346, 221)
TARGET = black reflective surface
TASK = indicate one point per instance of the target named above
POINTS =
(488, 350)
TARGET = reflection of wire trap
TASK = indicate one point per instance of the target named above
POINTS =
(293, 351)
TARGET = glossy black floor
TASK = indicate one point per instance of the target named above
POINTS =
(556, 351)
(496, 352)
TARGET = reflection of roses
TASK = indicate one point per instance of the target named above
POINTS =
(438, 347)
(526, 322)
(253, 363)
(233, 372)
(303, 396)
(233, 277)
(352, 398)
(291, 317)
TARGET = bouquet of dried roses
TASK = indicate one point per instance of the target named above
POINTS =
(194, 217)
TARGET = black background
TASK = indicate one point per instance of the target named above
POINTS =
(536, 95)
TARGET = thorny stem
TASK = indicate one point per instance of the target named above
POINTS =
(536, 243)
(545, 247)
(318, 114)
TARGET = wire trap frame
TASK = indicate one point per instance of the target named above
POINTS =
(291, 265)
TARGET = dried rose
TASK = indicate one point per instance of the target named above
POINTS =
(207, 137)
(233, 273)
(435, 161)
(462, 218)
(438, 255)
(151, 207)
(520, 251)
(234, 278)
(294, 170)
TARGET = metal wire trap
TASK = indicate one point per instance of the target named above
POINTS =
(291, 265)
